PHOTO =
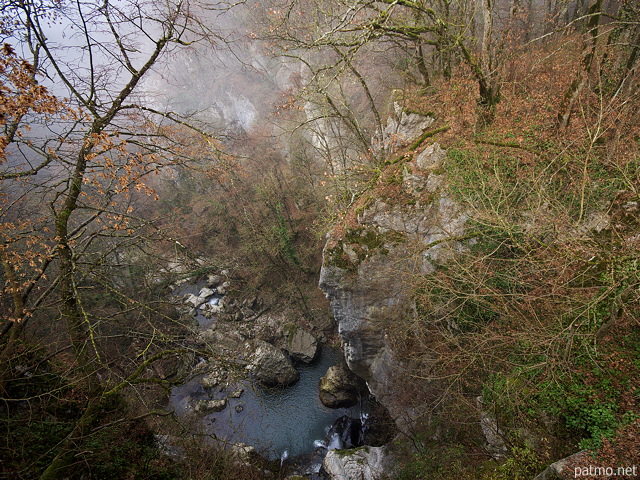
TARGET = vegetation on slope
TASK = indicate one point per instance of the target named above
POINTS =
(540, 316)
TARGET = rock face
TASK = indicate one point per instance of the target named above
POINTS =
(364, 463)
(382, 243)
(492, 433)
(272, 367)
(301, 345)
(401, 127)
(340, 388)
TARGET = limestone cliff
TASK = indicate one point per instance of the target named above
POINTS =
(402, 226)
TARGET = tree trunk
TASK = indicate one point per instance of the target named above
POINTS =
(582, 76)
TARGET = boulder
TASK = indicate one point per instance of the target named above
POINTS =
(243, 452)
(237, 393)
(213, 379)
(301, 345)
(271, 366)
(224, 288)
(194, 301)
(206, 406)
(214, 280)
(340, 388)
(363, 463)
(560, 468)
(212, 309)
(206, 293)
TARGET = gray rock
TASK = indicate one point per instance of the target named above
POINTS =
(495, 442)
(206, 406)
(431, 157)
(239, 408)
(401, 128)
(272, 367)
(554, 471)
(363, 463)
(340, 388)
(301, 345)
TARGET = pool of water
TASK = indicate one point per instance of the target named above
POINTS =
(274, 420)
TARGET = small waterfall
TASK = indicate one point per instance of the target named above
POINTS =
(283, 457)
(346, 432)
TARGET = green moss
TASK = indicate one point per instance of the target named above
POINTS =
(344, 452)
(417, 112)
(427, 134)
(364, 242)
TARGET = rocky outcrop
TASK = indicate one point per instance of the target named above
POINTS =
(405, 228)
(243, 452)
(363, 463)
(271, 366)
(340, 388)
(556, 469)
(401, 127)
(495, 444)
(301, 345)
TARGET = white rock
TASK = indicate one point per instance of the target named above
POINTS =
(206, 293)
(363, 463)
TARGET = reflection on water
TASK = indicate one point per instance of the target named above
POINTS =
(274, 420)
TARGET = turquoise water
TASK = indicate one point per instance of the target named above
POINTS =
(274, 420)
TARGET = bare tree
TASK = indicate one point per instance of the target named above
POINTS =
(71, 172)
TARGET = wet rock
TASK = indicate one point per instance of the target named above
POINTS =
(340, 388)
(378, 428)
(206, 406)
(237, 393)
(301, 345)
(214, 378)
(346, 432)
(271, 366)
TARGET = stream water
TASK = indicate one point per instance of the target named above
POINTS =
(278, 422)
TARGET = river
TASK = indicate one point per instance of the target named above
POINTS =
(287, 421)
